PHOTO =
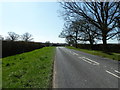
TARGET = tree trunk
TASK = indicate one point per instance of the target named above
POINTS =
(104, 43)
(76, 43)
(91, 44)
(76, 39)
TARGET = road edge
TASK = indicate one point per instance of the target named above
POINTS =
(54, 72)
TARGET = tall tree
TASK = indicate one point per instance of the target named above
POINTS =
(100, 14)
(80, 30)
(68, 34)
(89, 33)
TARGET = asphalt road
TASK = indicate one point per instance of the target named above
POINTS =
(75, 69)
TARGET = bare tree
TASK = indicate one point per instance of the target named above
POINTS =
(26, 37)
(89, 32)
(68, 37)
(68, 34)
(100, 14)
(12, 36)
(80, 30)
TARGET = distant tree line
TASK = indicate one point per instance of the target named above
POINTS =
(91, 22)
(12, 36)
(15, 44)
(16, 47)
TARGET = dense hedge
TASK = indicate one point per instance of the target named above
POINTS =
(11, 48)
(110, 47)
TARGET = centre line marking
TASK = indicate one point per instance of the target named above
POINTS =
(112, 74)
(116, 71)
(84, 60)
(80, 57)
(75, 53)
(95, 63)
(89, 60)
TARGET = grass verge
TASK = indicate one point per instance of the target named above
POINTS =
(29, 70)
(0, 73)
(114, 56)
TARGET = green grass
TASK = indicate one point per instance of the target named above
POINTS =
(0, 73)
(114, 56)
(29, 70)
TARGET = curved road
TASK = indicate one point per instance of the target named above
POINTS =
(75, 69)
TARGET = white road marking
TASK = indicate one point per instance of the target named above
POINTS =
(71, 52)
(84, 59)
(89, 60)
(116, 71)
(75, 53)
(112, 74)
(81, 57)
(94, 62)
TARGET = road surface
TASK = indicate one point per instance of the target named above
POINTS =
(75, 69)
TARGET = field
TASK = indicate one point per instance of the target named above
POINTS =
(114, 56)
(29, 70)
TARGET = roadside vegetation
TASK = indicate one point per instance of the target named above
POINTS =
(29, 70)
(114, 56)
(0, 73)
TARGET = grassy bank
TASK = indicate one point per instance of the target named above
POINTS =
(114, 56)
(29, 70)
(0, 73)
